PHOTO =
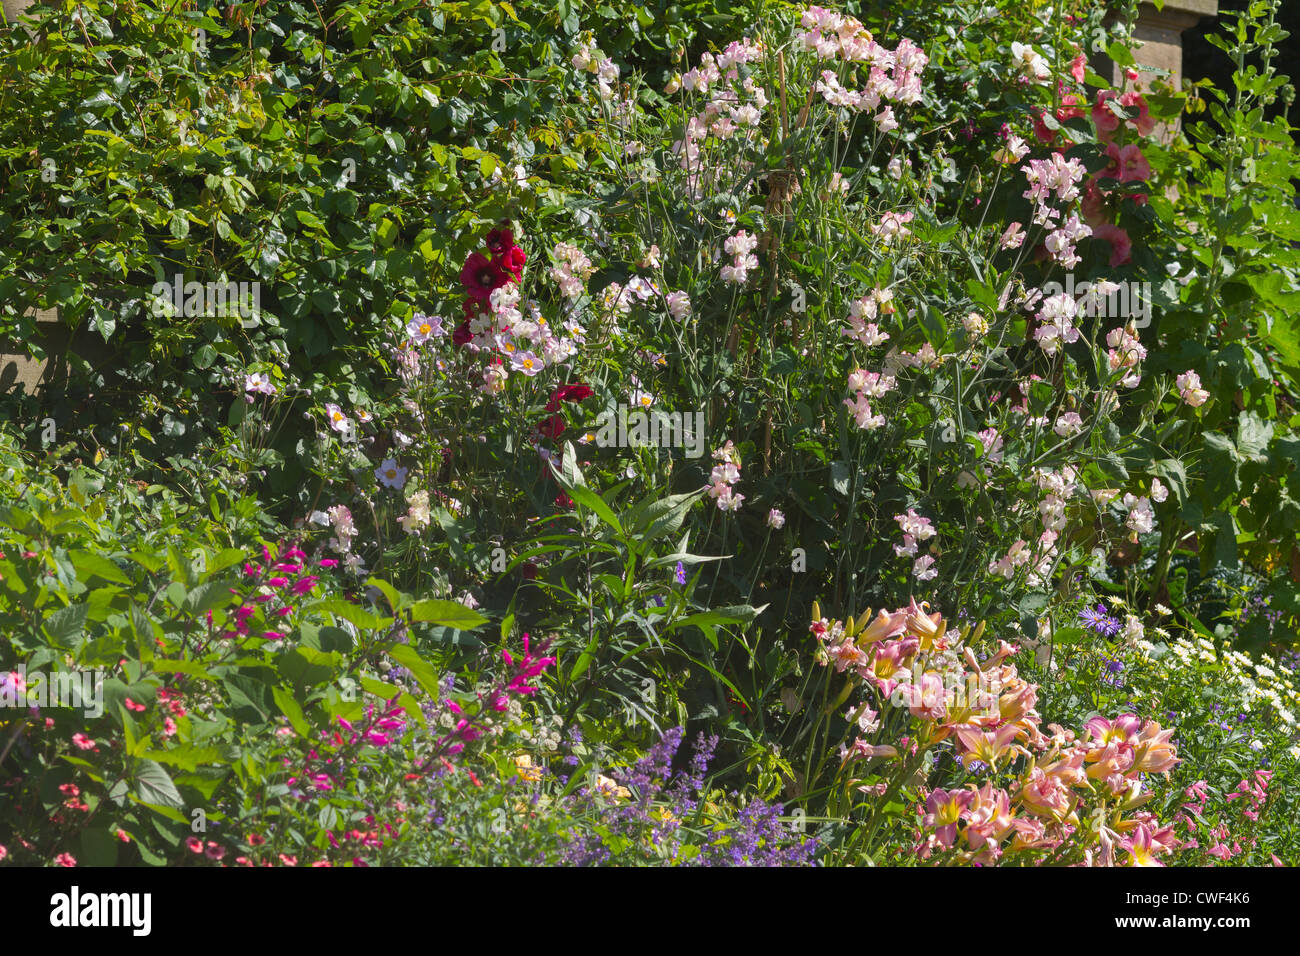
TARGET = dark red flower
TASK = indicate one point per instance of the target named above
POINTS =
(480, 275)
(568, 393)
(563, 501)
(551, 427)
(512, 260)
(500, 239)
(462, 335)
(529, 570)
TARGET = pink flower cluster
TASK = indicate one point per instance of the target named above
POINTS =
(724, 475)
(740, 247)
(910, 660)
(275, 583)
(894, 75)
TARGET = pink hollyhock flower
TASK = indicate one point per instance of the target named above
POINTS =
(1071, 108)
(1121, 247)
(1144, 123)
(1127, 164)
(65, 859)
(83, 742)
(1093, 204)
(195, 844)
(1077, 67)
(3, 852)
(214, 851)
(512, 260)
(1102, 118)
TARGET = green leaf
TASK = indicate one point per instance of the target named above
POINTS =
(420, 669)
(189, 668)
(191, 758)
(66, 623)
(447, 614)
(289, 707)
(98, 847)
(735, 614)
(154, 786)
(351, 613)
(91, 565)
(396, 599)
(588, 498)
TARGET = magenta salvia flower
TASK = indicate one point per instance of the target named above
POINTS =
(278, 582)
(304, 585)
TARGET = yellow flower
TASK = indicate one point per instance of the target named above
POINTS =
(526, 769)
(609, 788)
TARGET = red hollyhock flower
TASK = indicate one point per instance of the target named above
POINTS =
(480, 275)
(462, 335)
(568, 393)
(551, 427)
(512, 260)
(500, 239)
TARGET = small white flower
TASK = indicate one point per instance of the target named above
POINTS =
(391, 474)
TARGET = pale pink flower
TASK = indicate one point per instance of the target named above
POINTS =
(1190, 391)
